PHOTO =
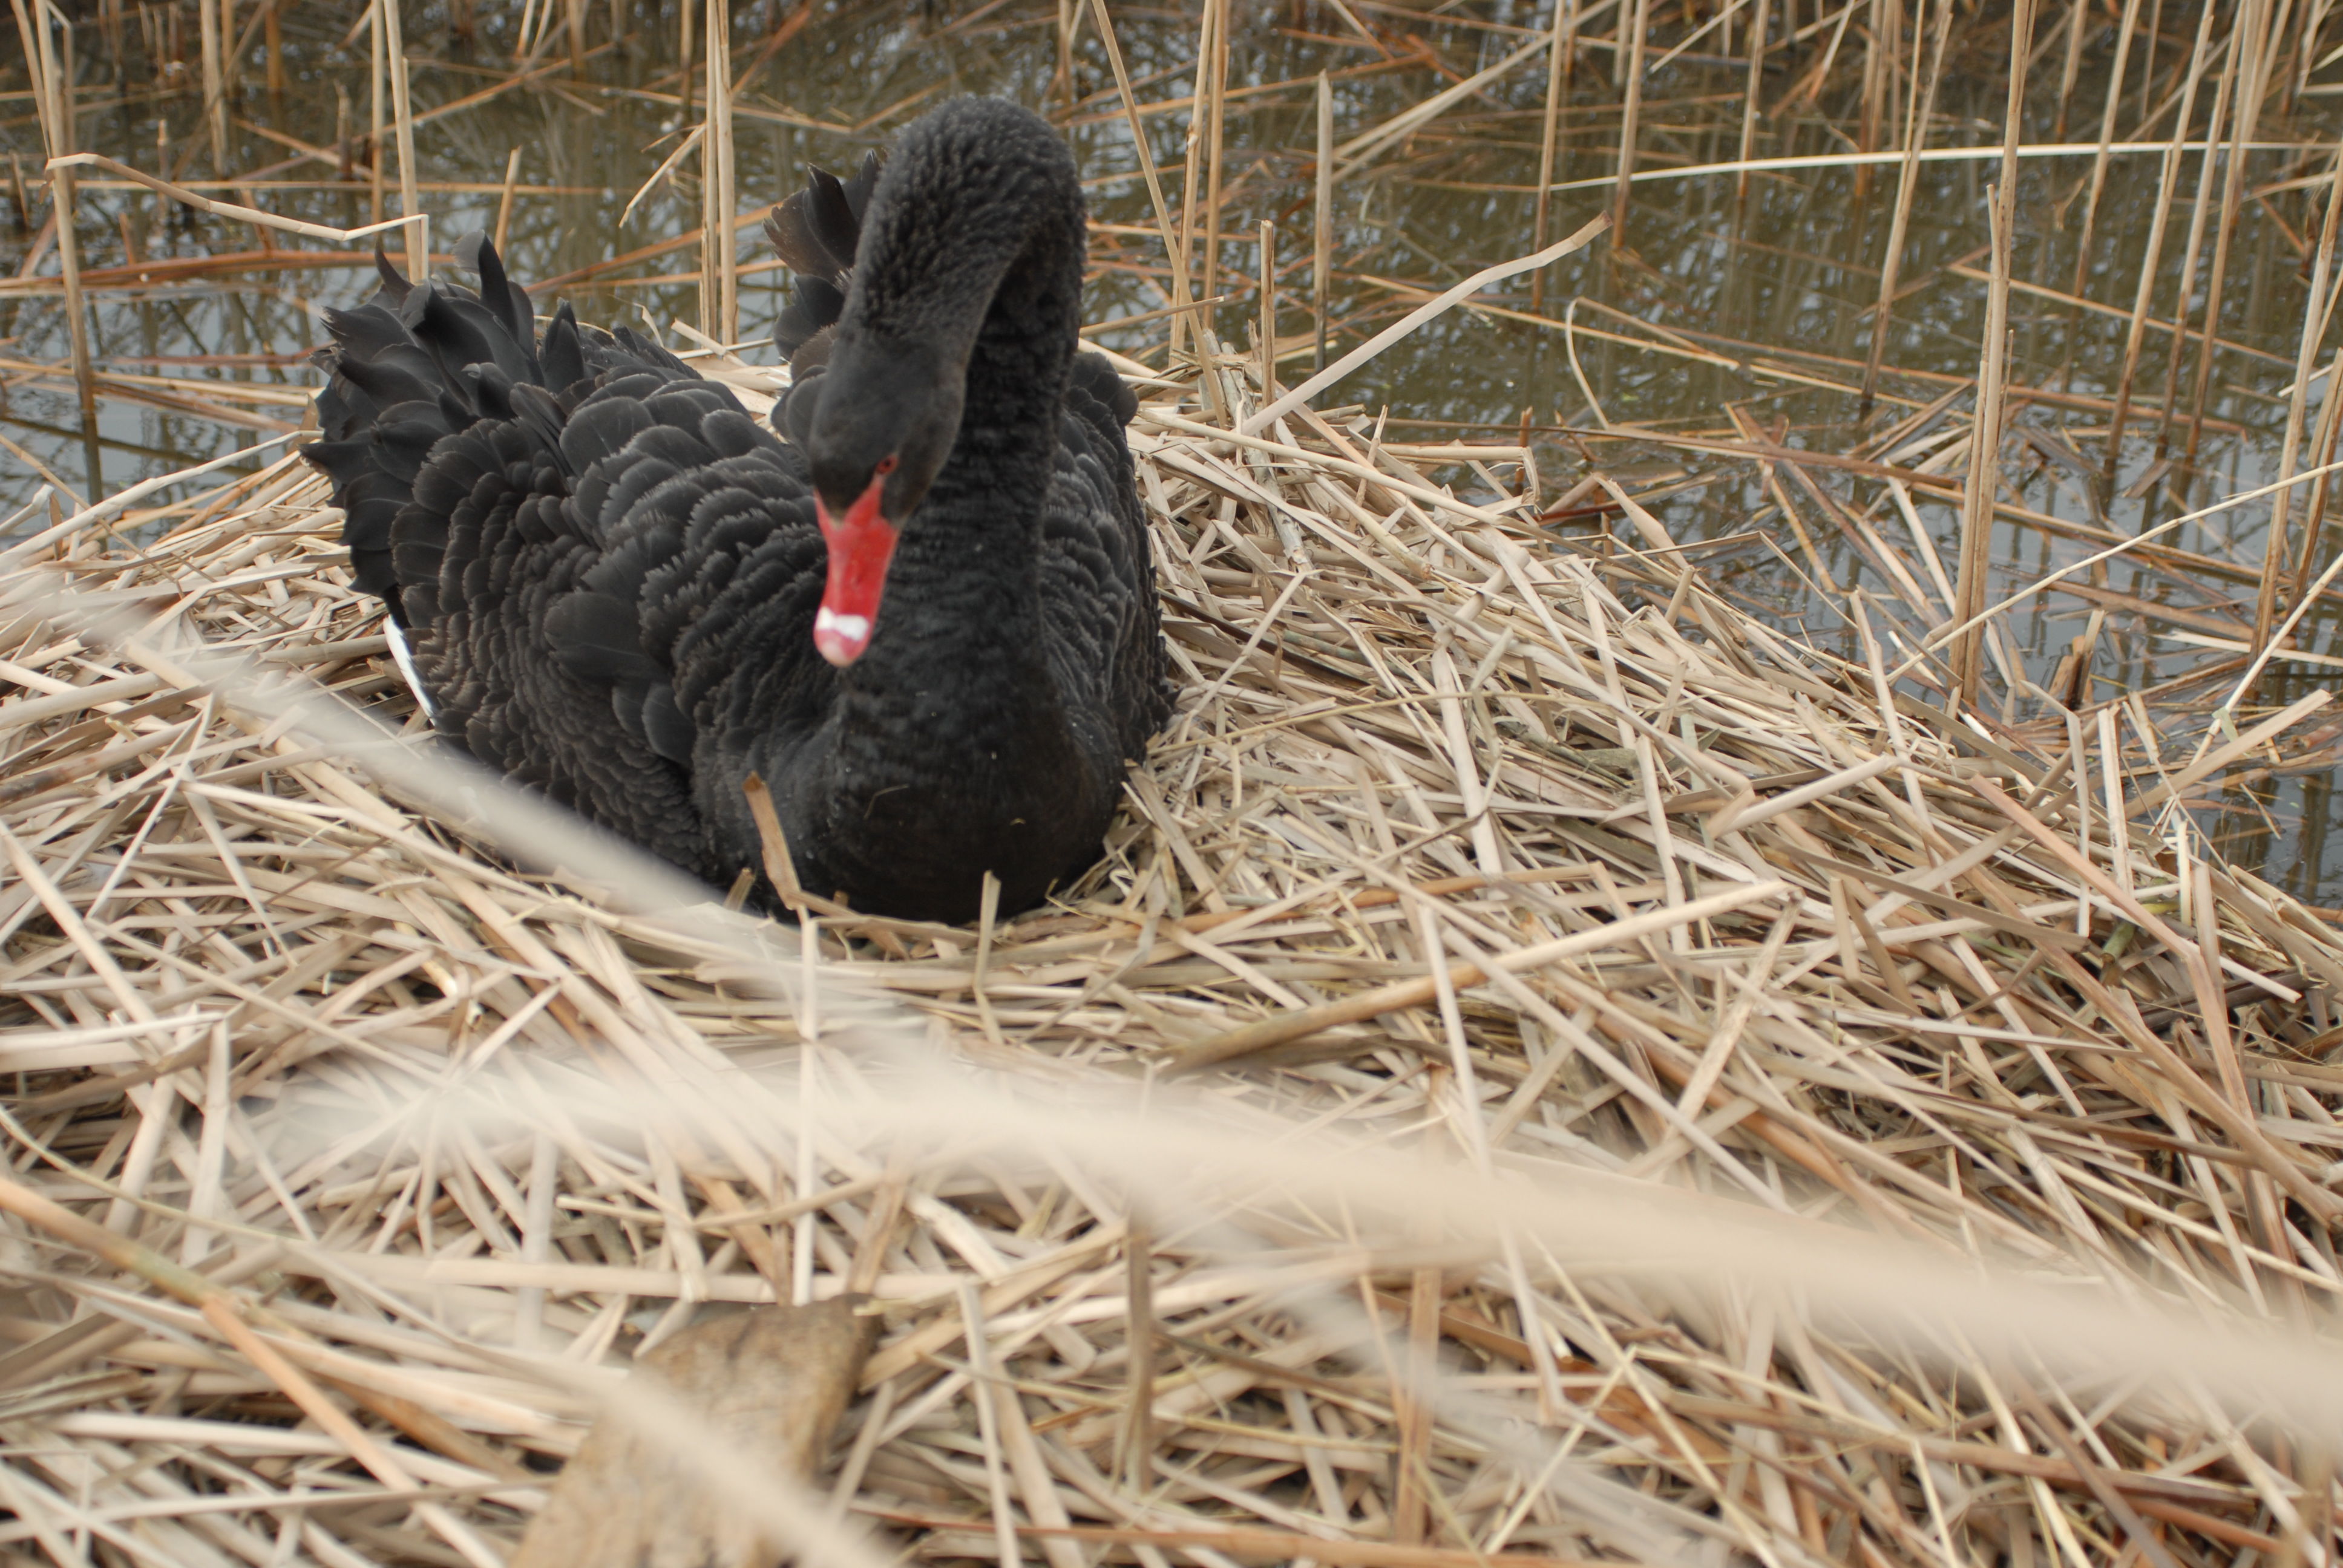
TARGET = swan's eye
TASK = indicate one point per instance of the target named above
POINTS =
(886, 465)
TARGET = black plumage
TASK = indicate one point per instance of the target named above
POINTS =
(610, 573)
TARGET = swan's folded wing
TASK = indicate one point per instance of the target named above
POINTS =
(583, 637)
(526, 675)
(713, 563)
(1098, 574)
(508, 498)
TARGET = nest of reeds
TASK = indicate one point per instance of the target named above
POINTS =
(1470, 840)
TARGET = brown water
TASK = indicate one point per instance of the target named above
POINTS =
(1789, 268)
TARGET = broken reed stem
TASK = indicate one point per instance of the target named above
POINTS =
(1216, 126)
(418, 235)
(2168, 182)
(262, 222)
(1411, 1413)
(1268, 325)
(1321, 227)
(2274, 563)
(1984, 436)
(505, 199)
(1549, 138)
(1630, 111)
(720, 303)
(109, 21)
(65, 75)
(1457, 293)
(1891, 18)
(1922, 106)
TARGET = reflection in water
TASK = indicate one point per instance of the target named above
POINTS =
(1722, 312)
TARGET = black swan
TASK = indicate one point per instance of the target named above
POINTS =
(927, 619)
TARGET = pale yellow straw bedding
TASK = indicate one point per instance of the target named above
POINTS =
(1832, 965)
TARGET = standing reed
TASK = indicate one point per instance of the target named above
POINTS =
(1985, 430)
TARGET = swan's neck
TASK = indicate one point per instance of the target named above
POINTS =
(962, 608)
(959, 661)
(951, 743)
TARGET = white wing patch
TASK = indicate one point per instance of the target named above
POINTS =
(402, 654)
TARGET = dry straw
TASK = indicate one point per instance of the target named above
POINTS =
(1549, 1070)
(1476, 863)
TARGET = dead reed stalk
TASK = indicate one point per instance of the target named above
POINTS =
(214, 84)
(2106, 139)
(53, 111)
(2252, 43)
(1985, 432)
(376, 65)
(1213, 102)
(1630, 112)
(2167, 184)
(2274, 553)
(1174, 238)
(1191, 183)
(1558, 47)
(1749, 99)
(504, 201)
(2322, 456)
(1321, 220)
(720, 301)
(402, 111)
(1915, 132)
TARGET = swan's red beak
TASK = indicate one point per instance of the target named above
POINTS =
(860, 548)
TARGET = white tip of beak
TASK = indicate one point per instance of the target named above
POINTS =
(840, 638)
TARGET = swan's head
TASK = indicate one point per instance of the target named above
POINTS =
(881, 428)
